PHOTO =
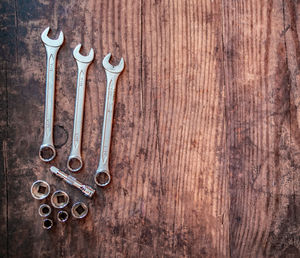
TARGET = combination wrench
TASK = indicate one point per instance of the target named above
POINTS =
(102, 176)
(47, 151)
(75, 162)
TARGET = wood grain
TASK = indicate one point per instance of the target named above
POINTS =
(204, 154)
(262, 129)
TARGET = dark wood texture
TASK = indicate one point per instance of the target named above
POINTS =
(205, 153)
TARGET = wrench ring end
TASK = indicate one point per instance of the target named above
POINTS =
(107, 178)
(49, 150)
(76, 160)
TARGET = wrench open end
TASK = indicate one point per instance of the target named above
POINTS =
(47, 152)
(109, 67)
(52, 42)
(102, 178)
(79, 57)
(74, 163)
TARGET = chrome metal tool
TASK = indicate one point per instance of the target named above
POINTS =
(47, 223)
(79, 210)
(87, 190)
(62, 216)
(44, 210)
(40, 189)
(75, 161)
(102, 176)
(60, 199)
(47, 151)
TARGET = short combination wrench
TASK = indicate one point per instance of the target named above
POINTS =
(47, 151)
(75, 161)
(102, 175)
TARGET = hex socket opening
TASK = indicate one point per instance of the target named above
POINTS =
(44, 210)
(47, 223)
(62, 216)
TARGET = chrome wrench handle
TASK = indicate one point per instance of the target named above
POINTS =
(107, 125)
(78, 117)
(83, 63)
(112, 74)
(52, 47)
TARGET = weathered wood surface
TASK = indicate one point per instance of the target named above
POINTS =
(206, 136)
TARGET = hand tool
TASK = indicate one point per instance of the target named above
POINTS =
(62, 216)
(75, 163)
(44, 210)
(87, 190)
(102, 175)
(47, 223)
(79, 210)
(47, 151)
(40, 189)
(59, 199)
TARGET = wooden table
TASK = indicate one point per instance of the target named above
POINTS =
(205, 153)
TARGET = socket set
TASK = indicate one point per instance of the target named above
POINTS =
(40, 189)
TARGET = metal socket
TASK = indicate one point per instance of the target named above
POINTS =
(44, 210)
(47, 223)
(79, 210)
(40, 189)
(62, 216)
(59, 199)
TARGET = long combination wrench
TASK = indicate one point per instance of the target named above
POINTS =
(75, 162)
(47, 151)
(102, 176)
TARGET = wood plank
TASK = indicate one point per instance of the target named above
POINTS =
(182, 86)
(204, 155)
(7, 56)
(261, 126)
